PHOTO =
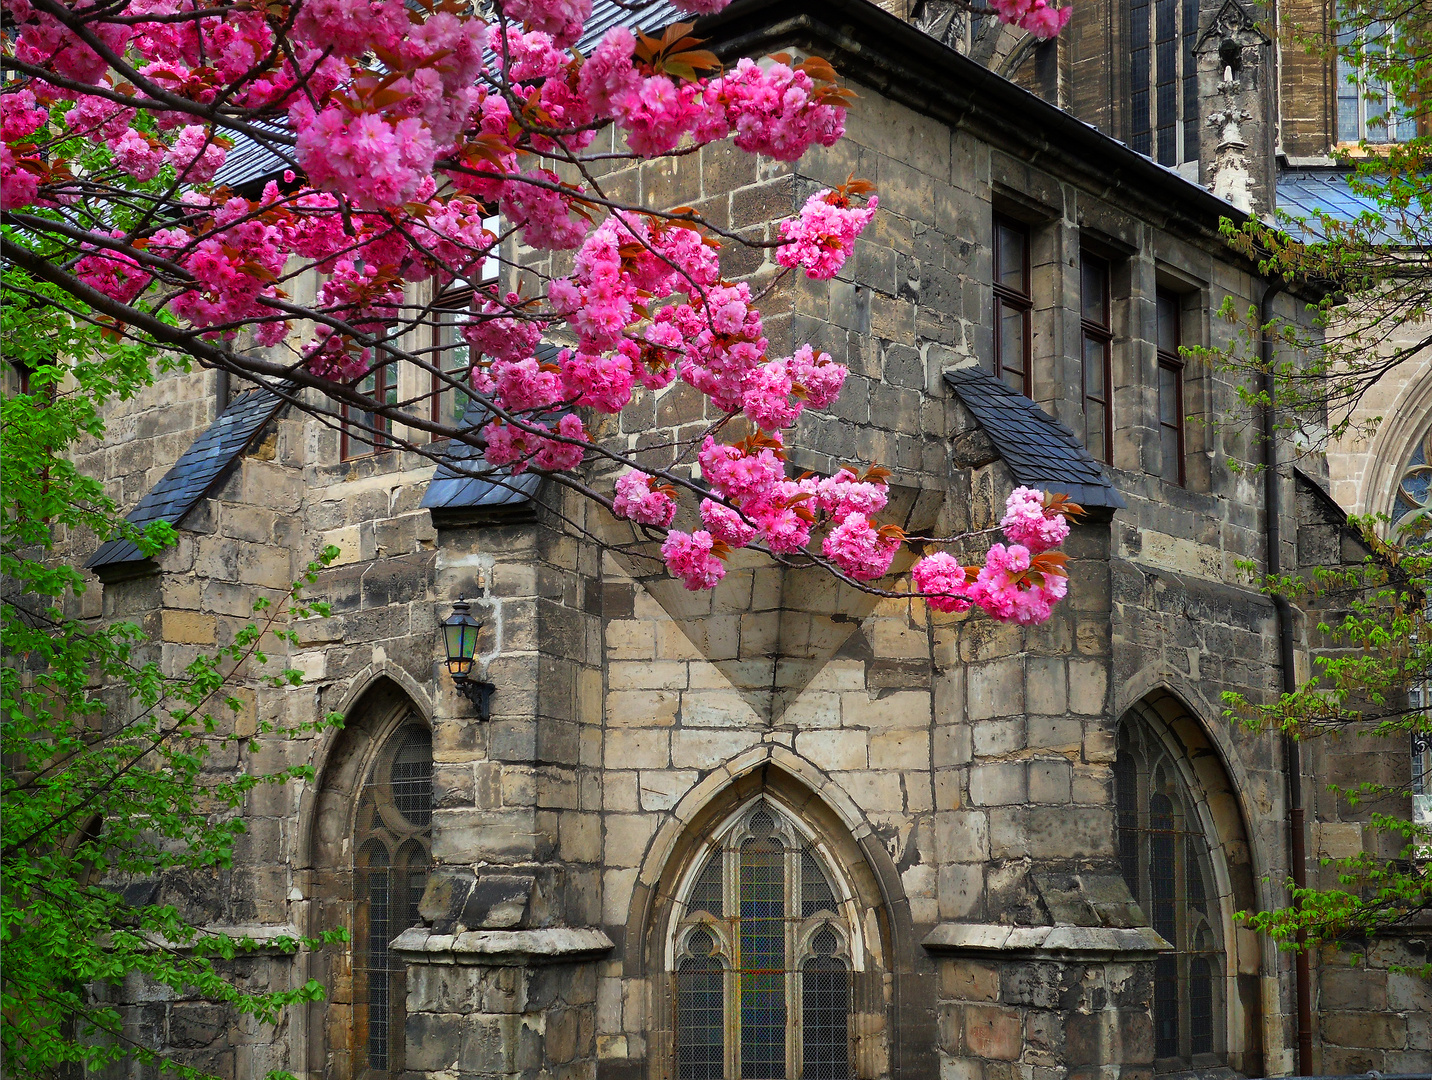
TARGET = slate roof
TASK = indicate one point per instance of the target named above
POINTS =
(198, 470)
(456, 496)
(1039, 450)
(1303, 192)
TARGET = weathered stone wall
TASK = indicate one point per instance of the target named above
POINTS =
(961, 768)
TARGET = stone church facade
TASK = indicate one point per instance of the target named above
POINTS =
(786, 829)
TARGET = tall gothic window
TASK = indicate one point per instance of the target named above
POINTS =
(763, 959)
(1164, 855)
(393, 845)
(1163, 80)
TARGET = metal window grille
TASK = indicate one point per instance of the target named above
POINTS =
(391, 872)
(762, 981)
(1164, 856)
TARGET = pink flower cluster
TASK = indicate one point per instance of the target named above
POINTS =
(644, 499)
(821, 238)
(517, 450)
(694, 558)
(860, 548)
(1026, 521)
(1040, 18)
(1019, 582)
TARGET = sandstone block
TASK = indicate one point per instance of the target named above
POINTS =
(999, 784)
(996, 688)
(187, 627)
(833, 751)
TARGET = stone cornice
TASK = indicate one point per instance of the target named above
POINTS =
(1045, 942)
(503, 948)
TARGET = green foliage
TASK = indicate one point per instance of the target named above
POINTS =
(1372, 283)
(1378, 645)
(110, 784)
(1373, 271)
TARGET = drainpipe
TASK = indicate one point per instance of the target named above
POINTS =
(1292, 758)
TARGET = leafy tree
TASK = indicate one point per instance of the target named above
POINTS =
(107, 794)
(1373, 320)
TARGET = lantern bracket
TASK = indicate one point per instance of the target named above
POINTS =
(479, 693)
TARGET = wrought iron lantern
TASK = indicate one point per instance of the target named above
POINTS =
(460, 632)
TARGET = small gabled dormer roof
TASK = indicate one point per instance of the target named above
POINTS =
(199, 470)
(1039, 451)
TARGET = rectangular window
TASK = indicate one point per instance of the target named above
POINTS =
(1363, 103)
(450, 351)
(368, 432)
(1170, 388)
(1012, 305)
(1096, 344)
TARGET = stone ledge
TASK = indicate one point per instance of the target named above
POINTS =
(1049, 942)
(503, 948)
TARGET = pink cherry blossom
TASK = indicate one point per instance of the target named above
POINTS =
(860, 549)
(194, 156)
(820, 239)
(942, 575)
(644, 499)
(689, 557)
(726, 524)
(1026, 522)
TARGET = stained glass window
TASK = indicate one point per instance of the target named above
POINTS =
(764, 992)
(1163, 852)
(394, 843)
(1413, 498)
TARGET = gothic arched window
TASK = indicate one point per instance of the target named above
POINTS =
(1163, 80)
(393, 854)
(1164, 854)
(763, 958)
(1414, 484)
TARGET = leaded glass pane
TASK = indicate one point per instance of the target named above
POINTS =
(816, 894)
(781, 1006)
(826, 993)
(391, 874)
(1164, 859)
(707, 894)
(700, 1012)
(763, 960)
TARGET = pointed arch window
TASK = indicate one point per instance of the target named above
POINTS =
(1164, 854)
(394, 853)
(763, 957)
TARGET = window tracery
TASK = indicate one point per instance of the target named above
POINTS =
(1164, 854)
(763, 953)
(393, 842)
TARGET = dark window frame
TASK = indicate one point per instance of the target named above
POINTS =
(1101, 332)
(393, 858)
(1165, 856)
(1172, 362)
(450, 303)
(354, 443)
(1016, 300)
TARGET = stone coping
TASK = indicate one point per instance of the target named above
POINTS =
(1053, 942)
(514, 948)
